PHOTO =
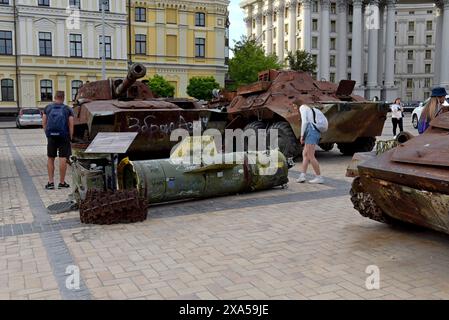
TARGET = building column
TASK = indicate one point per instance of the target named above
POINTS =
(342, 40)
(280, 10)
(438, 44)
(444, 73)
(357, 47)
(258, 18)
(373, 43)
(249, 21)
(381, 48)
(269, 31)
(324, 40)
(307, 25)
(292, 25)
(391, 91)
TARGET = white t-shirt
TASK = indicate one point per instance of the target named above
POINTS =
(396, 111)
(306, 117)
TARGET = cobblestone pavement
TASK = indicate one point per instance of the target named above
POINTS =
(304, 242)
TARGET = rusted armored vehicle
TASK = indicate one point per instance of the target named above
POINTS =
(128, 105)
(408, 183)
(354, 123)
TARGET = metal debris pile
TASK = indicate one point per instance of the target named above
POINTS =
(112, 207)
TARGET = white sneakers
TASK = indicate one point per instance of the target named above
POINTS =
(317, 180)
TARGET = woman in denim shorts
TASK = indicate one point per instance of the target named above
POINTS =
(310, 138)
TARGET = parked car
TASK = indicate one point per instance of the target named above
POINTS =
(29, 117)
(411, 105)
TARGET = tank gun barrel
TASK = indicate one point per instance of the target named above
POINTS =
(136, 71)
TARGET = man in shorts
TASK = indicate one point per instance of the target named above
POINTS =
(58, 123)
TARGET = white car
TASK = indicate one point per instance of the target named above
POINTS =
(416, 114)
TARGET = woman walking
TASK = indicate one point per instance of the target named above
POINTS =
(310, 138)
(397, 116)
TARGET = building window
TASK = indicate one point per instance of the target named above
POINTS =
(45, 44)
(333, 43)
(299, 25)
(428, 54)
(350, 27)
(274, 33)
(104, 3)
(141, 14)
(107, 47)
(349, 77)
(7, 90)
(200, 47)
(171, 45)
(286, 28)
(350, 10)
(429, 25)
(429, 40)
(426, 95)
(411, 40)
(274, 17)
(44, 3)
(171, 16)
(264, 20)
(315, 58)
(315, 6)
(333, 26)
(333, 8)
(141, 44)
(332, 77)
(298, 43)
(428, 68)
(349, 44)
(411, 26)
(427, 82)
(286, 13)
(314, 43)
(76, 84)
(332, 61)
(349, 61)
(410, 68)
(314, 25)
(46, 90)
(409, 83)
(75, 4)
(410, 54)
(286, 45)
(76, 45)
(5, 42)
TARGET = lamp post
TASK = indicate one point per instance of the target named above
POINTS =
(103, 36)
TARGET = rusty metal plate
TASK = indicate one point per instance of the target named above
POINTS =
(254, 88)
(345, 88)
(428, 149)
(442, 121)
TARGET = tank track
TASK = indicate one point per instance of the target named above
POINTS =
(365, 204)
(113, 207)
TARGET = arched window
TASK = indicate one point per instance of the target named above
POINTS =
(76, 84)
(7, 90)
(46, 90)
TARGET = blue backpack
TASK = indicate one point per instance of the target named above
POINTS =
(57, 121)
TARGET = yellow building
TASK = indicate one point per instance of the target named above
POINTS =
(180, 39)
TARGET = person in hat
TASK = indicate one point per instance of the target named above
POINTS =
(434, 107)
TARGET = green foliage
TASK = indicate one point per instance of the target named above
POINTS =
(201, 87)
(161, 87)
(301, 60)
(249, 59)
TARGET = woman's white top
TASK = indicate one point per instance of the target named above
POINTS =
(306, 117)
(396, 111)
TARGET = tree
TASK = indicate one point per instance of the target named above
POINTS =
(301, 60)
(161, 87)
(201, 87)
(249, 59)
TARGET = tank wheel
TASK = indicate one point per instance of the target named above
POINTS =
(365, 144)
(365, 205)
(287, 142)
(327, 146)
(415, 121)
(256, 126)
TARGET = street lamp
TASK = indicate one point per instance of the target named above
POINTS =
(104, 3)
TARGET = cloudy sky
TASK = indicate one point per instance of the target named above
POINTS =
(237, 27)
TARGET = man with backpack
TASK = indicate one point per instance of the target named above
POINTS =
(314, 123)
(58, 123)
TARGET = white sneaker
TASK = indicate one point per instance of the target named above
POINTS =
(301, 179)
(317, 180)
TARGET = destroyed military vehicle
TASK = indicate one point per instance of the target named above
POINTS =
(128, 105)
(414, 174)
(273, 103)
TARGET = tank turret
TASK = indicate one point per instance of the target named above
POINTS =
(136, 71)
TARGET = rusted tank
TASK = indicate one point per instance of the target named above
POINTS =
(128, 105)
(272, 103)
(408, 183)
